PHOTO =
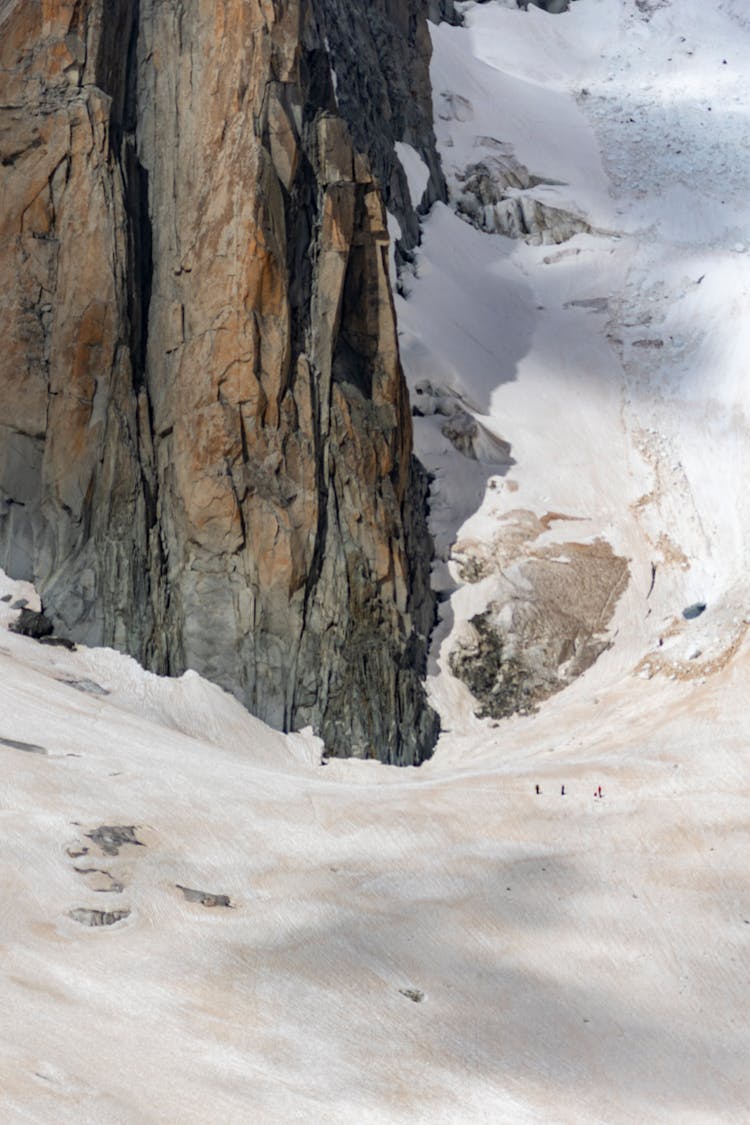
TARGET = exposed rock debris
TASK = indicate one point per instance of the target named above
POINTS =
(27, 747)
(86, 917)
(414, 994)
(546, 624)
(205, 898)
(494, 196)
(111, 837)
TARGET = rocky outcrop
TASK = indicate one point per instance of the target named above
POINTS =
(380, 54)
(495, 196)
(462, 426)
(547, 614)
(444, 11)
(205, 457)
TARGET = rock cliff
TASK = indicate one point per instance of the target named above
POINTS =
(205, 451)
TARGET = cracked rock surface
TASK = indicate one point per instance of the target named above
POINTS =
(206, 449)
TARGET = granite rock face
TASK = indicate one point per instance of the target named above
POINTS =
(205, 456)
(444, 11)
(380, 53)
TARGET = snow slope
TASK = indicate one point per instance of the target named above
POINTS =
(442, 945)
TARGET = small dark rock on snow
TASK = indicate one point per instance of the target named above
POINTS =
(111, 837)
(32, 624)
(205, 898)
(86, 917)
(414, 994)
(27, 747)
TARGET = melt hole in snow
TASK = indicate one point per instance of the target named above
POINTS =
(111, 837)
(205, 898)
(414, 994)
(97, 917)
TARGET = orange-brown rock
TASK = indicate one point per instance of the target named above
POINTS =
(205, 451)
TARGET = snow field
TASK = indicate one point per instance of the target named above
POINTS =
(443, 946)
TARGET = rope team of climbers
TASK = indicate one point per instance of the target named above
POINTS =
(597, 792)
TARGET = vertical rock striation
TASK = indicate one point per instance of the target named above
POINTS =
(205, 456)
(74, 494)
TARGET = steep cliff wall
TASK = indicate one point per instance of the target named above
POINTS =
(74, 501)
(380, 53)
(206, 455)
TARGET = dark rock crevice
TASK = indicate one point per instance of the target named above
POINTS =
(380, 53)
